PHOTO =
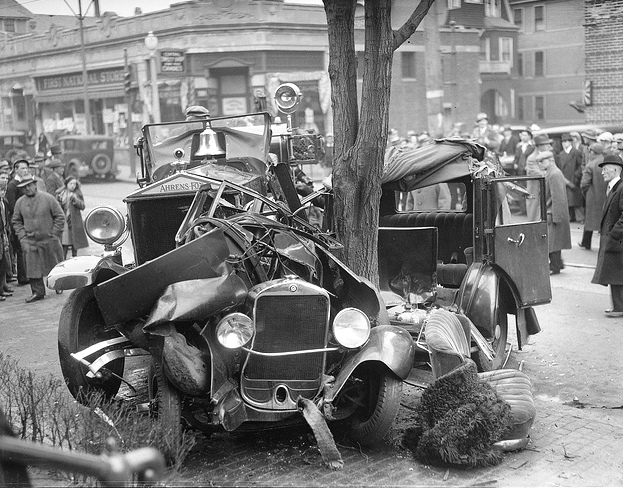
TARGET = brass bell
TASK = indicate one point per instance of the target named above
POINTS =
(209, 145)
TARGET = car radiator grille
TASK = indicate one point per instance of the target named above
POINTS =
(289, 323)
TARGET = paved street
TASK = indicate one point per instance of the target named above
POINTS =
(574, 364)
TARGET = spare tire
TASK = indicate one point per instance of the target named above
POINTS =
(101, 164)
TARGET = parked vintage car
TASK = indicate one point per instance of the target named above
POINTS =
(245, 312)
(10, 141)
(89, 156)
(454, 232)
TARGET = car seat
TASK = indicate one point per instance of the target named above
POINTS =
(448, 341)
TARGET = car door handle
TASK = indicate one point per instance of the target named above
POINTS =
(519, 241)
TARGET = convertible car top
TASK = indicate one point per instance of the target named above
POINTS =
(446, 159)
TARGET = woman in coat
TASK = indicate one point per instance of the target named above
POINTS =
(558, 230)
(72, 201)
(594, 191)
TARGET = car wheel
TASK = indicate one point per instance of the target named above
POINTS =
(101, 164)
(82, 325)
(166, 409)
(498, 343)
(375, 394)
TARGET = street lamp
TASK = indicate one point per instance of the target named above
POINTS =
(151, 42)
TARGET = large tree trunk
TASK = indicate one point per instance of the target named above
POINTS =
(360, 138)
(359, 148)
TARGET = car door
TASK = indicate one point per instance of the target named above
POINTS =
(517, 228)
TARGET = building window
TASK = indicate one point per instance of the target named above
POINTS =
(452, 4)
(539, 63)
(539, 108)
(519, 21)
(506, 50)
(539, 18)
(485, 49)
(408, 65)
(520, 64)
(9, 25)
(360, 63)
(520, 108)
(493, 8)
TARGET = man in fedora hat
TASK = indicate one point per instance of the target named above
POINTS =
(543, 143)
(558, 231)
(609, 268)
(570, 163)
(484, 134)
(593, 188)
(38, 221)
(524, 148)
(55, 180)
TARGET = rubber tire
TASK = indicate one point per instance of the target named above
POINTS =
(381, 392)
(101, 164)
(167, 411)
(499, 346)
(80, 326)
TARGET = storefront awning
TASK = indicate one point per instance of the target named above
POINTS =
(52, 96)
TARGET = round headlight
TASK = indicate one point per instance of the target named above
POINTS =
(234, 330)
(351, 328)
(104, 225)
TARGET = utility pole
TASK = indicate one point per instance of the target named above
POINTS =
(85, 79)
(129, 99)
(434, 82)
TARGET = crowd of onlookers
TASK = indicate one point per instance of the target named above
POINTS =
(40, 220)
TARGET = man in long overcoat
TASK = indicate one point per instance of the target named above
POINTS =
(558, 230)
(594, 190)
(609, 269)
(570, 163)
(38, 221)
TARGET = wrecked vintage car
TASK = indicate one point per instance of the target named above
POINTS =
(454, 232)
(247, 316)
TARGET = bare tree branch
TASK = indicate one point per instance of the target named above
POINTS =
(407, 30)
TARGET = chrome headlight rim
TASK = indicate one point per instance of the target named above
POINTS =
(351, 328)
(235, 330)
(117, 218)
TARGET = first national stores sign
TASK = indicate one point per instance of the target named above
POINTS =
(100, 77)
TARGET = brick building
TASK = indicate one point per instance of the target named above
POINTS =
(551, 61)
(603, 24)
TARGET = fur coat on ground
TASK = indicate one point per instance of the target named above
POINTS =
(459, 418)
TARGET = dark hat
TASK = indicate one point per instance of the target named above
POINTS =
(25, 182)
(566, 137)
(56, 150)
(527, 129)
(596, 148)
(542, 139)
(544, 155)
(197, 112)
(39, 157)
(20, 160)
(611, 159)
(69, 178)
(56, 163)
